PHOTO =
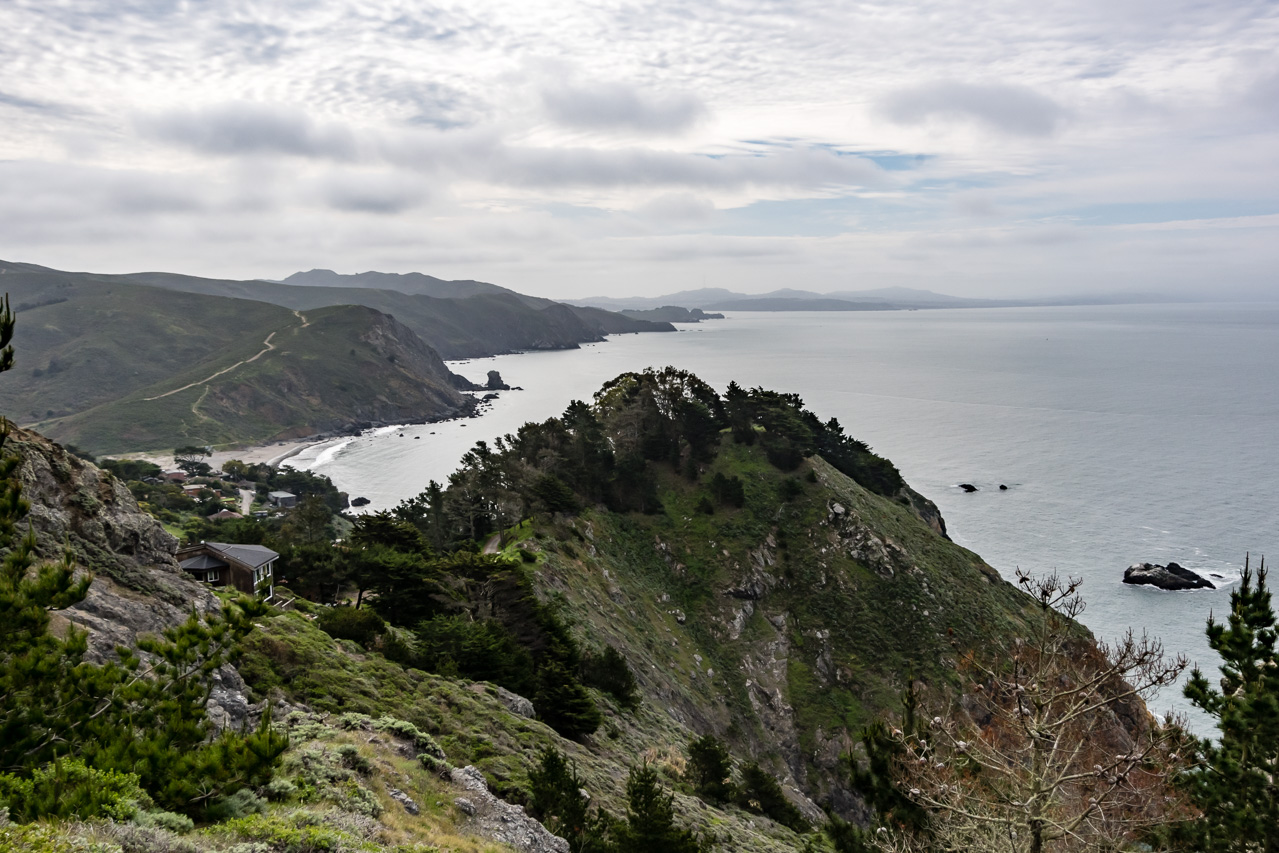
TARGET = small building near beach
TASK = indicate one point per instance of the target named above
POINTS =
(284, 500)
(248, 568)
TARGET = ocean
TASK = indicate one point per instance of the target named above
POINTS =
(1124, 433)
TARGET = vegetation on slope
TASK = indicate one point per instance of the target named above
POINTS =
(755, 589)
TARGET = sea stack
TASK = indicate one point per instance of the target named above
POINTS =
(1170, 577)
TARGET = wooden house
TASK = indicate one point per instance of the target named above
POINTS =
(248, 568)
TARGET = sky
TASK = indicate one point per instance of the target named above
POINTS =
(972, 147)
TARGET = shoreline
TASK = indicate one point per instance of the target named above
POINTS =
(276, 453)
(272, 454)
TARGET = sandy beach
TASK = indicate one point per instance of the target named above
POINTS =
(271, 454)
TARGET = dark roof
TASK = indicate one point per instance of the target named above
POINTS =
(200, 562)
(252, 555)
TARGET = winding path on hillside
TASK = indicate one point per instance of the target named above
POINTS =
(267, 346)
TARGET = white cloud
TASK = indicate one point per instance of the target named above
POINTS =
(942, 144)
(611, 106)
(999, 106)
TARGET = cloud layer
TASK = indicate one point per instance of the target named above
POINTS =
(569, 148)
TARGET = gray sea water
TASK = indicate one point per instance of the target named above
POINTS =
(1124, 433)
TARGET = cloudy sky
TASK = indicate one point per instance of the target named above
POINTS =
(974, 147)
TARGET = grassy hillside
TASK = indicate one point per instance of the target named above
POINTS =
(82, 342)
(330, 369)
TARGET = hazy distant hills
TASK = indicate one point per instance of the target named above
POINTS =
(414, 283)
(148, 361)
(480, 319)
(880, 299)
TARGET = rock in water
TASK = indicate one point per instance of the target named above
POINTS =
(968, 487)
(495, 382)
(1171, 576)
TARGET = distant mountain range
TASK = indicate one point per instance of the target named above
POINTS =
(115, 363)
(880, 299)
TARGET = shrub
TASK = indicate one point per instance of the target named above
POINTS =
(294, 833)
(483, 650)
(728, 490)
(280, 790)
(351, 759)
(407, 731)
(362, 625)
(178, 824)
(238, 805)
(68, 788)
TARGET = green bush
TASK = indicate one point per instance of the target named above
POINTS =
(178, 824)
(280, 790)
(68, 788)
(362, 625)
(351, 759)
(563, 703)
(292, 833)
(240, 804)
(407, 731)
(483, 650)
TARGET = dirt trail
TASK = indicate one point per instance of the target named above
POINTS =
(494, 544)
(267, 346)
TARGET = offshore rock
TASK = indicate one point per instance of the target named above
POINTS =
(1170, 577)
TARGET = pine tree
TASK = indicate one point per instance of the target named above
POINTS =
(1237, 786)
(710, 769)
(650, 818)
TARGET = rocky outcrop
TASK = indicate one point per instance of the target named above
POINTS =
(138, 587)
(515, 703)
(1170, 577)
(500, 821)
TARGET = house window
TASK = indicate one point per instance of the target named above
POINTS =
(211, 577)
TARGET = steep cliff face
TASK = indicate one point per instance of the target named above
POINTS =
(784, 626)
